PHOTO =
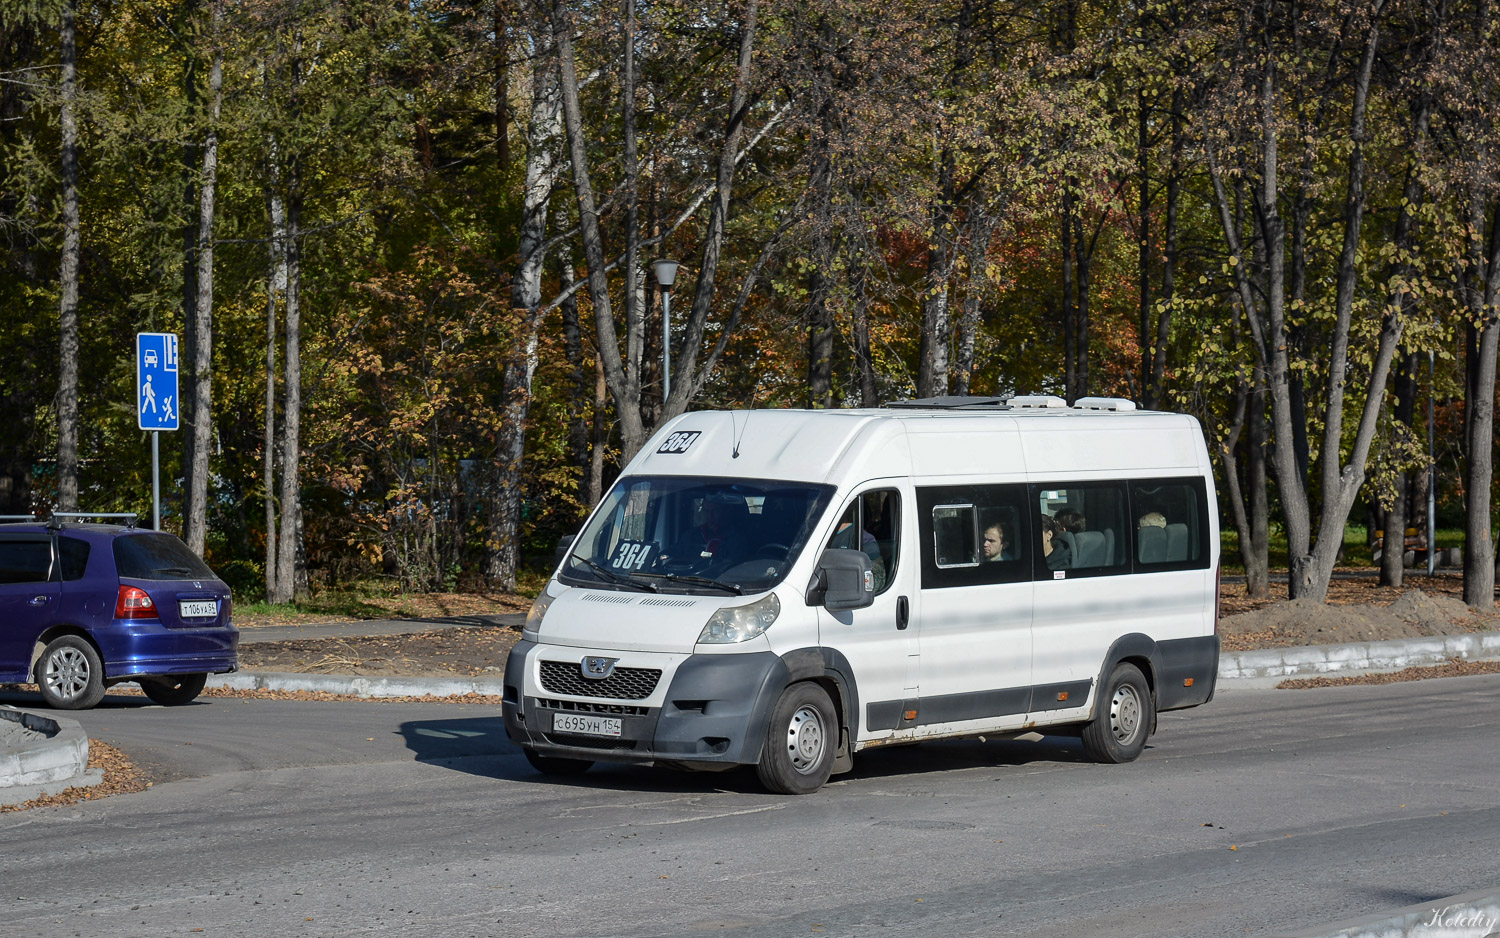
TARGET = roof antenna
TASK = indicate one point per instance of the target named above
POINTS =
(737, 434)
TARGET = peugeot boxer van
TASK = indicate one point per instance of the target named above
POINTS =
(785, 588)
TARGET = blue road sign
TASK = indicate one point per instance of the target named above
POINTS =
(156, 400)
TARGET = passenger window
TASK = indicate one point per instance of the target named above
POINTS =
(75, 557)
(25, 560)
(954, 536)
(872, 523)
(973, 535)
(1081, 530)
(1169, 528)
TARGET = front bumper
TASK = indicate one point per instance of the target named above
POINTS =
(705, 708)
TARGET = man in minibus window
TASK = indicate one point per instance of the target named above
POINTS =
(994, 545)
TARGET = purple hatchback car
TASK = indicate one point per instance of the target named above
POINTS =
(87, 606)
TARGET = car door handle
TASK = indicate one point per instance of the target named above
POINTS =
(903, 613)
(38, 600)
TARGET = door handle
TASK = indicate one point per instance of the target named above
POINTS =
(903, 613)
(38, 600)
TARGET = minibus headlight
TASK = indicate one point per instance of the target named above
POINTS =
(537, 611)
(733, 624)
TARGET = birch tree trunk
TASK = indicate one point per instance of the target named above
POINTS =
(200, 424)
(67, 383)
(276, 289)
(502, 559)
(288, 547)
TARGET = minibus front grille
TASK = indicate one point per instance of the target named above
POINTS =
(578, 706)
(566, 677)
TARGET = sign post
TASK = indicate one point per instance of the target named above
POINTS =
(156, 400)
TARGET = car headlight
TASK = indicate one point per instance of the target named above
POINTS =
(537, 612)
(733, 624)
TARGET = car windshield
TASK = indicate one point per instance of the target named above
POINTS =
(158, 557)
(696, 535)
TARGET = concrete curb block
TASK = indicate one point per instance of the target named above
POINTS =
(1246, 669)
(355, 686)
(1471, 915)
(1270, 666)
(41, 755)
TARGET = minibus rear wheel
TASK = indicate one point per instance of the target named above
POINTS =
(557, 765)
(1123, 718)
(800, 742)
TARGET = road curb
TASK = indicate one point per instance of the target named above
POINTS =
(41, 755)
(1267, 667)
(1471, 915)
(349, 685)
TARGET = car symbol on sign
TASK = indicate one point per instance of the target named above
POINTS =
(150, 358)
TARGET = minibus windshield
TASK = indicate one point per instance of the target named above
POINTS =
(696, 535)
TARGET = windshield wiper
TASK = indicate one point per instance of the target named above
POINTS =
(614, 577)
(699, 581)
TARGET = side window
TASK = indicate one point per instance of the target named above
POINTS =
(74, 555)
(872, 523)
(973, 535)
(1170, 524)
(26, 559)
(955, 536)
(1082, 530)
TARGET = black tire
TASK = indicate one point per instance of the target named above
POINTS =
(70, 674)
(174, 690)
(557, 765)
(1122, 719)
(800, 742)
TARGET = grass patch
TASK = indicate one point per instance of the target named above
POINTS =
(365, 600)
(1357, 549)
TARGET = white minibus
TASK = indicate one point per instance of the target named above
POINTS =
(785, 588)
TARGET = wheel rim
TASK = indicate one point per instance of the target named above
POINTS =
(805, 739)
(67, 673)
(1125, 713)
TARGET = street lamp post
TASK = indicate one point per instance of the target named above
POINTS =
(666, 275)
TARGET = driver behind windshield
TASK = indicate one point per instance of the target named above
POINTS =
(718, 535)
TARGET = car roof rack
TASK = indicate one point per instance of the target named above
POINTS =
(23, 518)
(953, 402)
(56, 521)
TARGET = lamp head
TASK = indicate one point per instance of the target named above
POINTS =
(666, 272)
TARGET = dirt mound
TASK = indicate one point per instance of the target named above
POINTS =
(1307, 622)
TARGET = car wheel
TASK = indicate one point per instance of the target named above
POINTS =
(70, 674)
(557, 765)
(1123, 718)
(174, 690)
(798, 754)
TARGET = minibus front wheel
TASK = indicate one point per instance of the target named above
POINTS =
(556, 765)
(1123, 718)
(800, 741)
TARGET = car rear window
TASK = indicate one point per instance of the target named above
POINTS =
(158, 557)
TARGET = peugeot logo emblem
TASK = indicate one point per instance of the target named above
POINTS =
(597, 668)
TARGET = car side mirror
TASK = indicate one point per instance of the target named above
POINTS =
(564, 544)
(845, 580)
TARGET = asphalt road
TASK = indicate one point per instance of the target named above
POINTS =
(1263, 812)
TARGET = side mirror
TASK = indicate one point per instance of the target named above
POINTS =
(564, 544)
(845, 580)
